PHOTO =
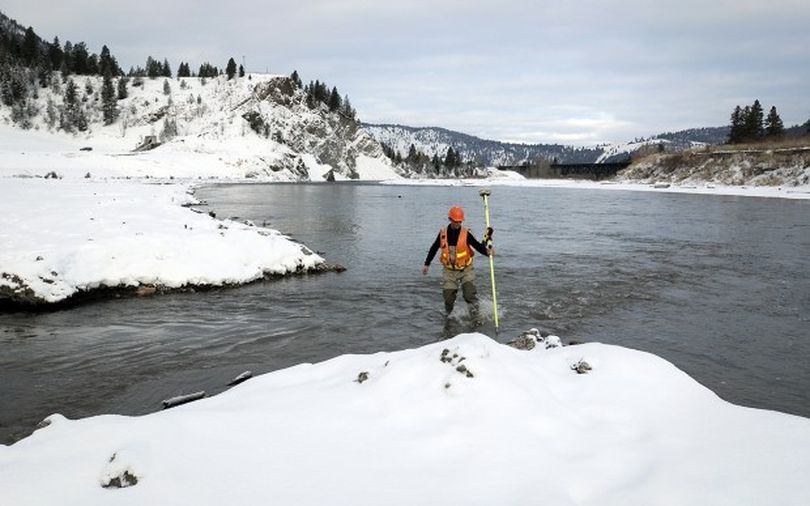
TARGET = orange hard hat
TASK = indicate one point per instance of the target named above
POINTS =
(456, 214)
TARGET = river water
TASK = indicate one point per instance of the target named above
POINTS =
(718, 285)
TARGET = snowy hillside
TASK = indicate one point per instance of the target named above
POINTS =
(622, 152)
(258, 126)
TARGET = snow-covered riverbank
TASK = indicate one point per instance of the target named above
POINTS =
(61, 238)
(464, 421)
(508, 178)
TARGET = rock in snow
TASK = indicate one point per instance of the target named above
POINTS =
(521, 430)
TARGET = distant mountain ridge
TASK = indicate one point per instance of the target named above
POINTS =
(436, 140)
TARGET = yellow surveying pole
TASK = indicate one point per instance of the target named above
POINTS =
(488, 240)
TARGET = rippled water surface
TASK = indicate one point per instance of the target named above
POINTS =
(718, 285)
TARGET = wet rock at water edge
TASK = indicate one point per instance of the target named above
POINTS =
(182, 399)
(145, 291)
(523, 342)
(241, 378)
(534, 337)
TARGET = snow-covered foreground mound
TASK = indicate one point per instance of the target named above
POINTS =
(61, 237)
(415, 427)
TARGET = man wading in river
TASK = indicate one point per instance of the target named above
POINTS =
(456, 244)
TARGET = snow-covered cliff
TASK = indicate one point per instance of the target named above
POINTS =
(258, 126)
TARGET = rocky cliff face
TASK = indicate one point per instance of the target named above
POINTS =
(276, 109)
(307, 143)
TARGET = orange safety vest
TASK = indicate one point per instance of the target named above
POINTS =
(463, 254)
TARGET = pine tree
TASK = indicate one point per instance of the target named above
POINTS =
(152, 68)
(50, 114)
(67, 59)
(92, 65)
(183, 70)
(105, 63)
(80, 56)
(737, 131)
(6, 93)
(310, 95)
(167, 89)
(122, 88)
(296, 79)
(30, 47)
(347, 110)
(774, 128)
(167, 70)
(753, 122)
(316, 92)
(413, 156)
(230, 69)
(55, 54)
(71, 104)
(334, 100)
(108, 100)
(169, 130)
(241, 71)
(450, 157)
(44, 72)
(207, 70)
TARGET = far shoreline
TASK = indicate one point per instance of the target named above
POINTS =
(790, 193)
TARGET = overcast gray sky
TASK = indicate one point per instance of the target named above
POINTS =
(577, 72)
